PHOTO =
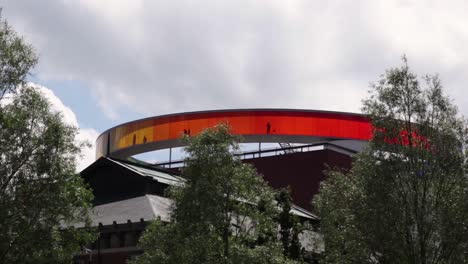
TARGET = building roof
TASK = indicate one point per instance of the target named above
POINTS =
(147, 207)
(301, 212)
(150, 207)
(156, 174)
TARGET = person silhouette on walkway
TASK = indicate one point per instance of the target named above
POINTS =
(268, 127)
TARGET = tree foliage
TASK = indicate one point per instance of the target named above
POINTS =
(224, 213)
(16, 59)
(405, 199)
(290, 226)
(40, 192)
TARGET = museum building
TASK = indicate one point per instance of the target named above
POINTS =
(298, 145)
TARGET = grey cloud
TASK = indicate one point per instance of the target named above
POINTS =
(173, 56)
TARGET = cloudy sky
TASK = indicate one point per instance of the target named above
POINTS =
(110, 61)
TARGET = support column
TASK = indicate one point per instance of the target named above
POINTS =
(170, 157)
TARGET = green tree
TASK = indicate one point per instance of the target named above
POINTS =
(290, 227)
(40, 192)
(405, 198)
(16, 59)
(224, 213)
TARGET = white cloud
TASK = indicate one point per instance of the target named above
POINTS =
(88, 154)
(57, 105)
(84, 134)
(156, 57)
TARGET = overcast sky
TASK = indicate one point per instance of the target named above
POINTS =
(111, 61)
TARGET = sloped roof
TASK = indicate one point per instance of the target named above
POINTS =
(147, 207)
(301, 212)
(158, 175)
(150, 207)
